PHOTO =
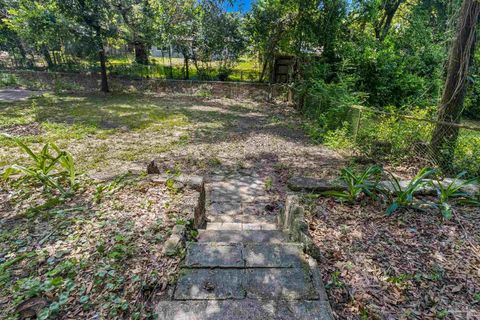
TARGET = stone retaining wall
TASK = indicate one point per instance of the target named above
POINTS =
(91, 82)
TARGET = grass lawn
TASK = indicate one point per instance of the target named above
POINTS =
(245, 70)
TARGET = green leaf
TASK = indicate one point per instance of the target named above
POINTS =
(392, 208)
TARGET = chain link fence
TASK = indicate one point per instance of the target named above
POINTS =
(417, 137)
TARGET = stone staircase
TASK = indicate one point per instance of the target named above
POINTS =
(242, 266)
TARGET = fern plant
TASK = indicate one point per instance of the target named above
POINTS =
(365, 182)
(53, 171)
(405, 195)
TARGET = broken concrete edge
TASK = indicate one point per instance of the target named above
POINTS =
(315, 185)
(176, 241)
(318, 283)
(291, 220)
(195, 183)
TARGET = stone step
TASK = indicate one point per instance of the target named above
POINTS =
(214, 255)
(243, 218)
(273, 255)
(256, 283)
(210, 284)
(241, 226)
(228, 255)
(234, 208)
(246, 309)
(242, 236)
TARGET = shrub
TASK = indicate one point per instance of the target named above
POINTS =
(8, 80)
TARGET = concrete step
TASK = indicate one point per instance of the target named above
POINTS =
(214, 255)
(242, 236)
(241, 226)
(235, 207)
(251, 255)
(246, 309)
(210, 284)
(242, 222)
(243, 218)
(256, 283)
(273, 255)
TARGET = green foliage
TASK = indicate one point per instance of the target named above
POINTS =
(453, 189)
(365, 182)
(8, 80)
(404, 195)
(52, 171)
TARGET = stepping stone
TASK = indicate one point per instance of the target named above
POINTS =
(206, 284)
(214, 255)
(274, 255)
(246, 309)
(280, 284)
(236, 236)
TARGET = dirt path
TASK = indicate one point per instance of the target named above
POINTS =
(230, 137)
(10, 95)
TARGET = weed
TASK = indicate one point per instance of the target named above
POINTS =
(268, 183)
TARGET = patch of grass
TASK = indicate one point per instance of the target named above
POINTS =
(125, 127)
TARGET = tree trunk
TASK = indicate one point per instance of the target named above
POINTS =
(103, 60)
(187, 68)
(170, 61)
(141, 53)
(450, 110)
(390, 8)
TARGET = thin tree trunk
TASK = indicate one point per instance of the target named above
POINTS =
(170, 61)
(103, 63)
(185, 61)
(445, 136)
(390, 8)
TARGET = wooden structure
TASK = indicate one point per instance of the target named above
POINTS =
(282, 71)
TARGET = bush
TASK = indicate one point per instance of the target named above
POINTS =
(8, 80)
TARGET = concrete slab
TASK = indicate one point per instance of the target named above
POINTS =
(242, 310)
(207, 284)
(213, 255)
(274, 255)
(235, 236)
(281, 284)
